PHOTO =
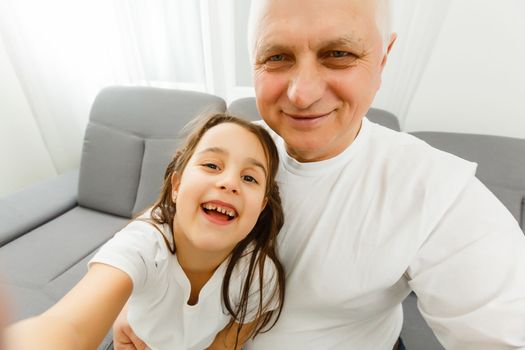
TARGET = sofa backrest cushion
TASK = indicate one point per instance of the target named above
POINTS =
(382, 117)
(246, 107)
(130, 138)
(501, 165)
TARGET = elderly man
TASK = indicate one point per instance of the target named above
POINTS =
(372, 214)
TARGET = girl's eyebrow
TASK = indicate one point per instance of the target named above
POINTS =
(219, 150)
(213, 150)
(256, 163)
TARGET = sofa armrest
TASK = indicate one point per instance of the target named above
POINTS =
(36, 205)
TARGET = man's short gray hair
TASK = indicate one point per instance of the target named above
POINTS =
(383, 19)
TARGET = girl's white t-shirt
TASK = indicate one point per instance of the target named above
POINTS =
(157, 309)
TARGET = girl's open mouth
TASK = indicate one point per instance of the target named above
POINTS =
(218, 213)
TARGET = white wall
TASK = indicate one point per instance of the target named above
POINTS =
(23, 155)
(475, 80)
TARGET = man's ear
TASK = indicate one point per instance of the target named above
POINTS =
(391, 42)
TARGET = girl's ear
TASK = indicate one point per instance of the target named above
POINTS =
(265, 201)
(175, 182)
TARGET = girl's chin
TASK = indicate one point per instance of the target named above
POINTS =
(213, 245)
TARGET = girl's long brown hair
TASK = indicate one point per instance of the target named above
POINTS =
(260, 243)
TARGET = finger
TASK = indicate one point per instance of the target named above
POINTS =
(124, 346)
(137, 342)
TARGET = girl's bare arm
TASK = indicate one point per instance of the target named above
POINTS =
(225, 339)
(81, 319)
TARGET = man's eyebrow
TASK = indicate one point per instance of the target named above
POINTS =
(343, 41)
(264, 50)
(251, 161)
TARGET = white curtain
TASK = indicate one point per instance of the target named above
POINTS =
(65, 51)
(418, 24)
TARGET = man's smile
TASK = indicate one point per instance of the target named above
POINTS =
(306, 120)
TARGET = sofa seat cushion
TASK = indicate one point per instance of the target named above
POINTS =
(30, 301)
(45, 253)
(26, 302)
(416, 334)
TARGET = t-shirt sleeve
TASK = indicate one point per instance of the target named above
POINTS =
(136, 250)
(469, 275)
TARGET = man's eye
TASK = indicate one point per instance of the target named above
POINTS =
(338, 54)
(211, 166)
(276, 58)
(276, 62)
(249, 178)
(338, 59)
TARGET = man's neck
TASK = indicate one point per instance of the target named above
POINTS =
(310, 156)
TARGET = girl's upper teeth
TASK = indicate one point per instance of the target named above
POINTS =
(226, 211)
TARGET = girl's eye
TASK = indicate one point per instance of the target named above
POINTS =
(211, 166)
(249, 178)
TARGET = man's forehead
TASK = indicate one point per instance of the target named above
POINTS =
(344, 18)
(270, 9)
(282, 25)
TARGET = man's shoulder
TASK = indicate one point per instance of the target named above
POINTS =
(405, 162)
(402, 148)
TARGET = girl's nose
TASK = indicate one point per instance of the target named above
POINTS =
(229, 188)
(229, 183)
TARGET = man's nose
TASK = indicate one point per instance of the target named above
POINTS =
(306, 85)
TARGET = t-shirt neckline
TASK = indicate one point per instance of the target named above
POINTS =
(314, 168)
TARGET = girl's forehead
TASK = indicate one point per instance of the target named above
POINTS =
(233, 139)
(224, 131)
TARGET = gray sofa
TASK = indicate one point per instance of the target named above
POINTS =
(52, 229)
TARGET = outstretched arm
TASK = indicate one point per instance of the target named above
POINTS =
(81, 319)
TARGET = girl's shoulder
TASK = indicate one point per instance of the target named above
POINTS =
(242, 270)
(139, 250)
(144, 225)
(266, 287)
(143, 237)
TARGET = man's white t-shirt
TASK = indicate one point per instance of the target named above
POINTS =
(389, 215)
(158, 311)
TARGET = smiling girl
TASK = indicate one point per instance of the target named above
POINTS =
(199, 267)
